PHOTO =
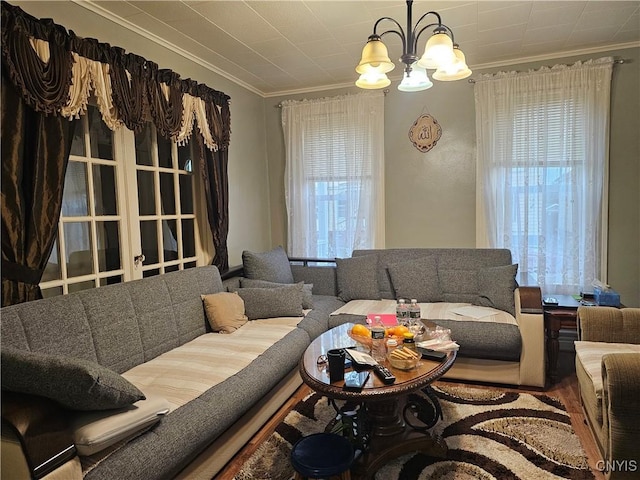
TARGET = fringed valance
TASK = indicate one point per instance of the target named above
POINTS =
(56, 71)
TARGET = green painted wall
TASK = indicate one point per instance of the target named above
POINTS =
(430, 197)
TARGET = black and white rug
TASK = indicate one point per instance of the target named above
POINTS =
(490, 434)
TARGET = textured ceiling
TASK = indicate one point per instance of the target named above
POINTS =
(278, 47)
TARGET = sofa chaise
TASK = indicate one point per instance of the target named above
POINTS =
(157, 335)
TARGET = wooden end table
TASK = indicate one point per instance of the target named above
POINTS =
(564, 315)
(390, 436)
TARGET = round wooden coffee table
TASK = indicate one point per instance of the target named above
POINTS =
(390, 436)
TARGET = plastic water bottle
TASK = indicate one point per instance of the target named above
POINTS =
(414, 311)
(402, 312)
(378, 345)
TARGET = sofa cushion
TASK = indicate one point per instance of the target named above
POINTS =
(416, 279)
(95, 431)
(589, 355)
(496, 286)
(357, 278)
(307, 289)
(272, 266)
(272, 302)
(74, 383)
(225, 311)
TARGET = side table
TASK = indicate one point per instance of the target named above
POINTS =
(564, 315)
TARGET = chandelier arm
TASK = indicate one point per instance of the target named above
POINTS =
(400, 33)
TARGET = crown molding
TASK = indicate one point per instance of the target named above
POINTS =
(97, 9)
(123, 22)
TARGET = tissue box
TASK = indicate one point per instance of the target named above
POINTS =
(608, 297)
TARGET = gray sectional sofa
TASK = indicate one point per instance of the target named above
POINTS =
(124, 326)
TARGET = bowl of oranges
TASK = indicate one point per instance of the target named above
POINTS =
(361, 334)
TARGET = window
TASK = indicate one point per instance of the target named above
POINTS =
(334, 175)
(124, 195)
(542, 156)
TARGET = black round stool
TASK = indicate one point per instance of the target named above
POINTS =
(322, 455)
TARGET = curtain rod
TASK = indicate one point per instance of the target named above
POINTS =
(385, 91)
(619, 61)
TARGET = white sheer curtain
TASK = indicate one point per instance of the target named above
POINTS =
(334, 174)
(543, 143)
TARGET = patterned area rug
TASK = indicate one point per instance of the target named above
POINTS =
(490, 434)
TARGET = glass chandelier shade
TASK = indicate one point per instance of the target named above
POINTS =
(438, 52)
(454, 71)
(375, 57)
(415, 80)
(373, 80)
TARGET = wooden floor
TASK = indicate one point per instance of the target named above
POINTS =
(566, 389)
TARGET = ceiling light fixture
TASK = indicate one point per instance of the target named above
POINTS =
(440, 53)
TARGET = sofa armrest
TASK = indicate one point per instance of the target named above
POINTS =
(621, 409)
(41, 428)
(530, 318)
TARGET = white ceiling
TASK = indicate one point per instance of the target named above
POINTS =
(279, 47)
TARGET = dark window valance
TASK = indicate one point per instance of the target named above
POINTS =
(55, 71)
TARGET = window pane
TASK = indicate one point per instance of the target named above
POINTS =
(76, 287)
(146, 193)
(74, 198)
(100, 136)
(149, 238)
(171, 268)
(167, 194)
(185, 161)
(110, 280)
(190, 265)
(150, 273)
(186, 194)
(52, 270)
(169, 236)
(51, 292)
(164, 152)
(188, 239)
(78, 249)
(108, 245)
(143, 146)
(77, 145)
(104, 185)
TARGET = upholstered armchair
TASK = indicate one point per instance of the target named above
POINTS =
(608, 370)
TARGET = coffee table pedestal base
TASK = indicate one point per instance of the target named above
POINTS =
(391, 438)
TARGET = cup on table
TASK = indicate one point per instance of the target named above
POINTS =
(335, 358)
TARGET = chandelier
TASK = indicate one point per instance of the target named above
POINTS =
(441, 53)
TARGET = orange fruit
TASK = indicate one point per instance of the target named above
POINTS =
(400, 330)
(360, 330)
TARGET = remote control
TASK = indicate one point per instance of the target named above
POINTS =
(384, 374)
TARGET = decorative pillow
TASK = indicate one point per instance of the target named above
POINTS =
(95, 431)
(307, 289)
(272, 302)
(272, 266)
(74, 383)
(416, 279)
(357, 278)
(225, 311)
(496, 286)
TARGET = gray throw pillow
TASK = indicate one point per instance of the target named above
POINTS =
(357, 279)
(416, 279)
(307, 289)
(272, 266)
(74, 383)
(496, 286)
(272, 302)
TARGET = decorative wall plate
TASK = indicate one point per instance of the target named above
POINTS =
(425, 133)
